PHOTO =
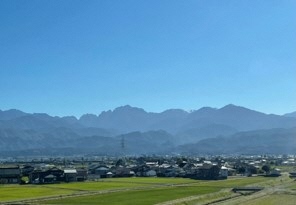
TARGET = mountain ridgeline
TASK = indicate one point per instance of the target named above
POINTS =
(130, 130)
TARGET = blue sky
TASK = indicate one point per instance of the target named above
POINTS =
(74, 57)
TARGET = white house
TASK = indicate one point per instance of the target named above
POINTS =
(223, 172)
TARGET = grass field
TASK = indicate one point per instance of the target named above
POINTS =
(276, 199)
(123, 190)
(285, 168)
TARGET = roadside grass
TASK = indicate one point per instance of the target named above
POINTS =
(276, 199)
(208, 198)
(287, 168)
(245, 181)
(293, 185)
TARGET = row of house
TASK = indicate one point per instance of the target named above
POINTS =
(52, 174)
(196, 168)
(189, 170)
(30, 174)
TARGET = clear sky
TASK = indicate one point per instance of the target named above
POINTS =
(67, 57)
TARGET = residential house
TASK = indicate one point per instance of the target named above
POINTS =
(45, 176)
(81, 174)
(122, 171)
(10, 175)
(223, 174)
(102, 171)
(208, 172)
(70, 175)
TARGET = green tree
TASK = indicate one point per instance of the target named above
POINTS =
(241, 170)
(266, 168)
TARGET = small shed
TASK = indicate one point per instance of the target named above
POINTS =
(81, 174)
(223, 172)
(70, 175)
(110, 175)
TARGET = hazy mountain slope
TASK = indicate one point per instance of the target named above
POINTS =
(147, 142)
(23, 131)
(93, 131)
(272, 141)
(18, 139)
(39, 121)
(13, 139)
(126, 119)
(152, 142)
(212, 130)
(129, 119)
(239, 118)
(89, 120)
(170, 120)
(292, 114)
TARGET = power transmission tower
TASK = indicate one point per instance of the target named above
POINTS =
(123, 145)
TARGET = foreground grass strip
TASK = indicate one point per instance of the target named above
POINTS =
(273, 200)
(293, 185)
(230, 183)
(200, 199)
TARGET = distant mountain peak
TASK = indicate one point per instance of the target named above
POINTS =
(12, 111)
(124, 107)
(128, 108)
(174, 111)
(206, 109)
(88, 116)
(11, 114)
(231, 106)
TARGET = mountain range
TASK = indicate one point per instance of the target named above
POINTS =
(173, 130)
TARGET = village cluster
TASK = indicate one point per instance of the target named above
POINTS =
(57, 170)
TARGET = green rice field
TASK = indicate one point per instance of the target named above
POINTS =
(122, 190)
